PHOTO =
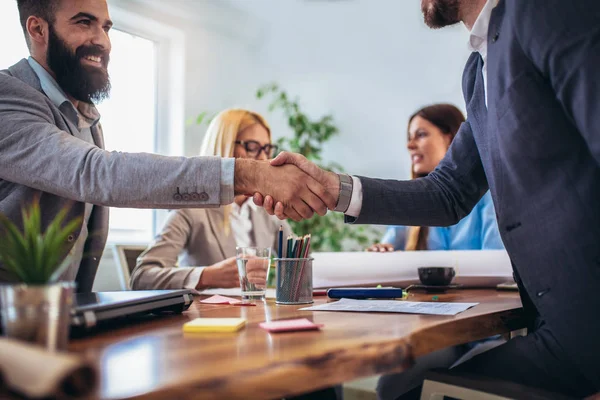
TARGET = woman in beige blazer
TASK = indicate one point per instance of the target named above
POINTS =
(204, 240)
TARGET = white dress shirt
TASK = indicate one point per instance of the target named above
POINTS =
(477, 42)
(240, 220)
(479, 37)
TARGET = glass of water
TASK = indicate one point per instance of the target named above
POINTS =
(253, 267)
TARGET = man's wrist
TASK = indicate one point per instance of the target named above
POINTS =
(244, 180)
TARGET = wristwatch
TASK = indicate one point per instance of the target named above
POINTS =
(345, 195)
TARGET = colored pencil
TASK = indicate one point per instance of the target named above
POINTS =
(289, 247)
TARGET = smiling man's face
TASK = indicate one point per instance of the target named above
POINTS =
(79, 49)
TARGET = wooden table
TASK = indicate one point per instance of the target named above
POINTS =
(155, 360)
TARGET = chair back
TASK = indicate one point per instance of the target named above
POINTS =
(126, 258)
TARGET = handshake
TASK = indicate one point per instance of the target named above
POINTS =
(289, 186)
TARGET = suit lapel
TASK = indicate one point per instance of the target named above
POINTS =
(23, 71)
(98, 136)
(216, 219)
(476, 106)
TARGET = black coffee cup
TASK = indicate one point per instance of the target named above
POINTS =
(436, 276)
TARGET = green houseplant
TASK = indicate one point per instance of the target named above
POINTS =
(329, 233)
(36, 308)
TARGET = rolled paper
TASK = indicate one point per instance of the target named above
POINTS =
(474, 268)
(33, 372)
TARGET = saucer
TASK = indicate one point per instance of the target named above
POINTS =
(433, 288)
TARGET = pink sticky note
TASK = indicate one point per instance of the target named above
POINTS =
(218, 299)
(243, 304)
(290, 325)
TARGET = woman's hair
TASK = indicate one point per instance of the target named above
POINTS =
(448, 119)
(220, 137)
(224, 128)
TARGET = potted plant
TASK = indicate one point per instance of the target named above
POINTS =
(329, 233)
(36, 307)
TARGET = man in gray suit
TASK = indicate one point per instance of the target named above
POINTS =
(532, 89)
(51, 143)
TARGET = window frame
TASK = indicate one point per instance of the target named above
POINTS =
(170, 95)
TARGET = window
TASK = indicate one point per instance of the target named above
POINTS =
(128, 120)
(145, 110)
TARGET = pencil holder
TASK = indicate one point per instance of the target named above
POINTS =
(293, 279)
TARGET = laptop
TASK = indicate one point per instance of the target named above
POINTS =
(92, 309)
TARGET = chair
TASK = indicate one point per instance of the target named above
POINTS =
(126, 258)
(445, 385)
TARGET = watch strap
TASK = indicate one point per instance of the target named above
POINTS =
(346, 185)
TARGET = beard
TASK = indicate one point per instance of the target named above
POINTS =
(440, 13)
(84, 83)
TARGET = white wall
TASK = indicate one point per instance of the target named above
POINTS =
(371, 63)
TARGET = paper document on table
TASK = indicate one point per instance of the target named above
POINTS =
(269, 294)
(477, 268)
(393, 306)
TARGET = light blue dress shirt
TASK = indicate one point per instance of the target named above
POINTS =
(476, 231)
(85, 118)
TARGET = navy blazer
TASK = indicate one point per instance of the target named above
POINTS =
(537, 147)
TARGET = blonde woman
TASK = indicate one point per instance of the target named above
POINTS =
(204, 240)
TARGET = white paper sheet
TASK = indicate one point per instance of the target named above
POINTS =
(270, 293)
(393, 306)
(479, 268)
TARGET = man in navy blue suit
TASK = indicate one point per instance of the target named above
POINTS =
(532, 88)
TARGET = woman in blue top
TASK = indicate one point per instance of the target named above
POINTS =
(430, 132)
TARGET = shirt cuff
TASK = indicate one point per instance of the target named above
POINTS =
(192, 280)
(356, 200)
(227, 172)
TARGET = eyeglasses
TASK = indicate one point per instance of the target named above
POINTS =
(254, 148)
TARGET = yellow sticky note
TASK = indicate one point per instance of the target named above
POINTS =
(214, 325)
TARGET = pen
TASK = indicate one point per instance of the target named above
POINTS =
(280, 241)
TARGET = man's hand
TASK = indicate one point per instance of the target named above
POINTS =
(381, 247)
(223, 274)
(329, 180)
(298, 194)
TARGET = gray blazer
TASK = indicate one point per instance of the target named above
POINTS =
(197, 237)
(42, 156)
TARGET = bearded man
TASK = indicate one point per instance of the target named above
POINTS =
(52, 148)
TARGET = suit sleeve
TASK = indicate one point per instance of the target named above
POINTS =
(37, 154)
(156, 267)
(562, 38)
(442, 198)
